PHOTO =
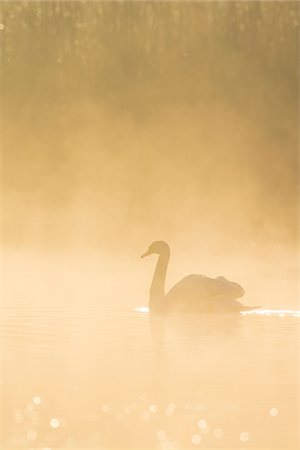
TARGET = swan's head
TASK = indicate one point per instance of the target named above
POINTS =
(157, 248)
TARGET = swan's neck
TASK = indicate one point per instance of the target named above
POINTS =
(157, 290)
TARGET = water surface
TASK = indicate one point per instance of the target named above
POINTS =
(83, 377)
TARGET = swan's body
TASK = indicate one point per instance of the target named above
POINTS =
(195, 293)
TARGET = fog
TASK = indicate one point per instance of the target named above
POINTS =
(127, 122)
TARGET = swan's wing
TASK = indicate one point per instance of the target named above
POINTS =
(234, 290)
(202, 288)
(197, 286)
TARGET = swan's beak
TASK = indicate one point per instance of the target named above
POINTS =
(147, 253)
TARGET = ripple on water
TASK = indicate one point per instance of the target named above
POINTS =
(272, 312)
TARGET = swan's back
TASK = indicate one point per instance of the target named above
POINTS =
(198, 292)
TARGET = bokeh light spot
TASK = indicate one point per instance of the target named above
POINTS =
(146, 415)
(202, 423)
(244, 437)
(37, 400)
(196, 439)
(54, 423)
(18, 417)
(218, 432)
(273, 412)
(161, 435)
(105, 408)
(29, 407)
(153, 408)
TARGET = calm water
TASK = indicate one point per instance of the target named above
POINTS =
(89, 378)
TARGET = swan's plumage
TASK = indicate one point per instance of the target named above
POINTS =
(194, 293)
(200, 286)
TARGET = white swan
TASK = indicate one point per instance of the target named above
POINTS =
(195, 293)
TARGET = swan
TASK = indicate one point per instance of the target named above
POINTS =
(194, 293)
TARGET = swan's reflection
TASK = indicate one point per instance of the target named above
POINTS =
(191, 349)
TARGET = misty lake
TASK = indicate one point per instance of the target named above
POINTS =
(83, 377)
(125, 122)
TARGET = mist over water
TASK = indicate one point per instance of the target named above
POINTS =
(123, 123)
